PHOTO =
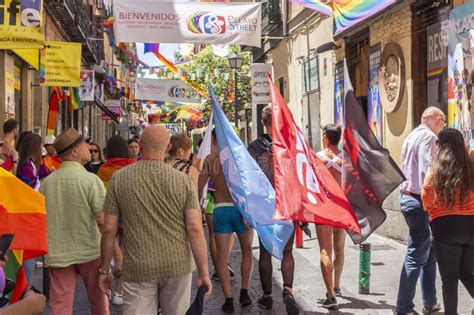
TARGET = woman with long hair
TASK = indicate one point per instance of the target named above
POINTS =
(179, 156)
(29, 163)
(448, 197)
(30, 155)
(97, 158)
(117, 158)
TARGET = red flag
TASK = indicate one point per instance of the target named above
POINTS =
(304, 188)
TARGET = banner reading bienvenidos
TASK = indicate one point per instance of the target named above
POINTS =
(60, 64)
(20, 24)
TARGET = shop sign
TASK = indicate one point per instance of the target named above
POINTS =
(260, 85)
(164, 90)
(31, 56)
(61, 64)
(114, 107)
(20, 24)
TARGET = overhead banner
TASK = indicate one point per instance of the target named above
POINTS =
(260, 86)
(164, 90)
(374, 107)
(86, 91)
(61, 64)
(202, 23)
(20, 24)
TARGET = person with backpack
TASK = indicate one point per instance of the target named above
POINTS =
(261, 151)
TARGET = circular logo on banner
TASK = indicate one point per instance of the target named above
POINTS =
(392, 77)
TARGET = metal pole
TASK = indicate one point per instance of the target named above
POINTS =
(236, 103)
(310, 127)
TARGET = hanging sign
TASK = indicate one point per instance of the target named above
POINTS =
(20, 24)
(164, 90)
(60, 64)
(170, 22)
(114, 107)
(260, 86)
(86, 91)
(374, 108)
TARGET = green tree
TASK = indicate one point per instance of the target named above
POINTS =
(208, 70)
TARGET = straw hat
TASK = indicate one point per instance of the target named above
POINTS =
(67, 141)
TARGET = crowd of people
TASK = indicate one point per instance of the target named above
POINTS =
(130, 222)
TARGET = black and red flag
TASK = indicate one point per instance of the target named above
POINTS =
(370, 174)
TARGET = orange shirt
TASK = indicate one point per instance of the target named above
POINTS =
(436, 209)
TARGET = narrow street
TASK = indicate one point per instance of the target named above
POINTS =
(387, 257)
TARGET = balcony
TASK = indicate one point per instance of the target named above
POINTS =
(271, 15)
(75, 18)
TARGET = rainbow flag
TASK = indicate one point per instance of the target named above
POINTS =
(318, 6)
(150, 48)
(346, 13)
(22, 213)
(56, 96)
(110, 167)
(74, 101)
(52, 163)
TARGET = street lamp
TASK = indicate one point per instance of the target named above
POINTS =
(235, 62)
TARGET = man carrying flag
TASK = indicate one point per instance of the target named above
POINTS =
(261, 151)
(226, 221)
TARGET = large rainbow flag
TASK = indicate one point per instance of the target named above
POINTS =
(110, 167)
(346, 13)
(22, 213)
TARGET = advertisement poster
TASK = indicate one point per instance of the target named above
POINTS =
(437, 67)
(164, 90)
(114, 107)
(86, 90)
(339, 95)
(460, 69)
(61, 64)
(20, 24)
(175, 22)
(10, 94)
(260, 86)
(374, 107)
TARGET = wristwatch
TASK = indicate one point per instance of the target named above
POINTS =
(105, 272)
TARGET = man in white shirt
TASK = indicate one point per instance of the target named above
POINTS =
(420, 261)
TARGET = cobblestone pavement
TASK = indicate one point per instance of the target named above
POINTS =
(387, 258)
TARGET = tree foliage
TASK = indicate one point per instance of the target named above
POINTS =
(208, 70)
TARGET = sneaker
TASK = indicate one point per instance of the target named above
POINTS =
(117, 299)
(244, 299)
(265, 302)
(337, 292)
(431, 309)
(228, 306)
(290, 303)
(330, 303)
(215, 276)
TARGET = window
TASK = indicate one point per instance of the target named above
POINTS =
(310, 77)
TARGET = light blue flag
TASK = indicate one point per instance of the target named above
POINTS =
(251, 191)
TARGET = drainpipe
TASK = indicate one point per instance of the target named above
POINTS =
(284, 12)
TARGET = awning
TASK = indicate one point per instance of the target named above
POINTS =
(107, 111)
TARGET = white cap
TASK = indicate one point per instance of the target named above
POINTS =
(49, 140)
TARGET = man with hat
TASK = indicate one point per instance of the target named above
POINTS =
(74, 199)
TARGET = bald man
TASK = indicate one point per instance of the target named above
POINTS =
(162, 232)
(420, 261)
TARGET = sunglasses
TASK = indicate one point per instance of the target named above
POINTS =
(94, 151)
